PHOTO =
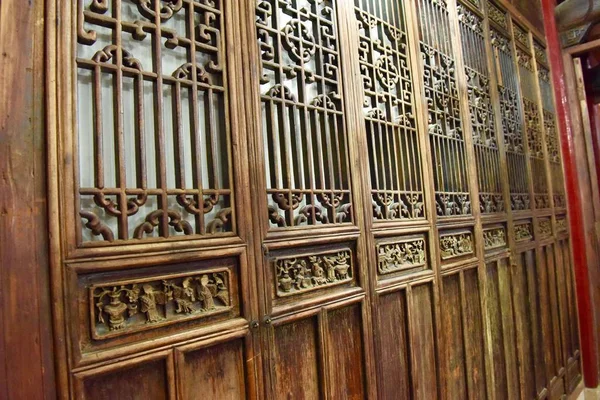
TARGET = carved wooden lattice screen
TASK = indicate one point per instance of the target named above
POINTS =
(444, 122)
(310, 198)
(154, 159)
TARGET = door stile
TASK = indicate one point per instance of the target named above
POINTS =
(282, 243)
(543, 234)
(507, 215)
(360, 183)
(390, 230)
(459, 55)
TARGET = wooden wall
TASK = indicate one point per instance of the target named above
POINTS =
(25, 317)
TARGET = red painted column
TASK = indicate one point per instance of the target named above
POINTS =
(585, 306)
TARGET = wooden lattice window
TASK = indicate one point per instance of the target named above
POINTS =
(533, 128)
(485, 142)
(444, 124)
(304, 131)
(512, 119)
(549, 119)
(152, 109)
(389, 111)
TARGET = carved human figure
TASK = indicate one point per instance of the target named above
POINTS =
(222, 291)
(330, 268)
(318, 273)
(205, 295)
(149, 301)
(184, 296)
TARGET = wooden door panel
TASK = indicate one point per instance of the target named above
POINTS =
(393, 356)
(212, 371)
(523, 325)
(147, 377)
(325, 347)
(502, 327)
(463, 335)
(423, 341)
(345, 351)
(309, 199)
(120, 311)
(296, 361)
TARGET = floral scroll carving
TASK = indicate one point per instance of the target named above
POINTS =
(122, 307)
(456, 245)
(401, 255)
(303, 274)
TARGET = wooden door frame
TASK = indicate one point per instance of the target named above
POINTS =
(578, 187)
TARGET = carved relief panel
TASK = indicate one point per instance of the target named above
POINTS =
(153, 155)
(303, 123)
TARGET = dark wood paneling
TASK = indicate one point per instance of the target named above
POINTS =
(393, 365)
(296, 360)
(345, 351)
(27, 370)
(423, 342)
(215, 372)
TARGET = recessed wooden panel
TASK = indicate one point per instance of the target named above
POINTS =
(553, 285)
(143, 379)
(494, 315)
(463, 335)
(454, 344)
(456, 245)
(345, 352)
(523, 325)
(213, 373)
(474, 334)
(423, 342)
(393, 365)
(296, 360)
(398, 256)
(301, 273)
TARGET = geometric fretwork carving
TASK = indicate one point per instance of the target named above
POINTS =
(119, 308)
(389, 112)
(485, 142)
(152, 104)
(303, 123)
(512, 121)
(445, 127)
